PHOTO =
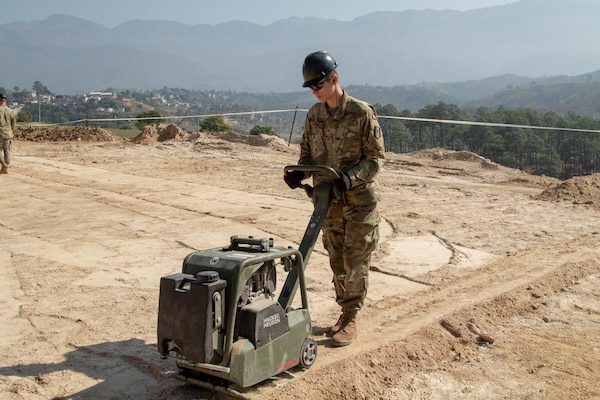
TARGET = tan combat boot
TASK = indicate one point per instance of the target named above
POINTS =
(335, 328)
(347, 332)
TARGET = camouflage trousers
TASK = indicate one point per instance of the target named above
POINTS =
(5, 153)
(350, 234)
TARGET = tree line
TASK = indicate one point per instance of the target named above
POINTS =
(552, 152)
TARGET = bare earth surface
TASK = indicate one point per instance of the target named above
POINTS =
(485, 284)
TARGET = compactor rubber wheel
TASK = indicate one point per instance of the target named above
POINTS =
(308, 353)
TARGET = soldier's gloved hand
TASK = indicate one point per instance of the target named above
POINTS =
(293, 178)
(342, 184)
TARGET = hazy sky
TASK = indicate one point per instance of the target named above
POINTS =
(111, 13)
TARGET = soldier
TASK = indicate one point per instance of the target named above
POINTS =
(7, 125)
(343, 133)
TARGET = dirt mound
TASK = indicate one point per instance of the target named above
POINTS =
(271, 141)
(440, 154)
(65, 134)
(578, 190)
(159, 133)
(163, 132)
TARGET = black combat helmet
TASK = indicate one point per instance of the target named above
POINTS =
(317, 66)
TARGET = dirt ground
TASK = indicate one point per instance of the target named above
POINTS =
(485, 284)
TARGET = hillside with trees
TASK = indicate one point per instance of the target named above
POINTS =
(547, 127)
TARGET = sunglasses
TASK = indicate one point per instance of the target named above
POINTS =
(319, 85)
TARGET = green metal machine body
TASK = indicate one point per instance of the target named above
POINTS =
(219, 319)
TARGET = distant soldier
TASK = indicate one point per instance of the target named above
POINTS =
(7, 125)
(343, 133)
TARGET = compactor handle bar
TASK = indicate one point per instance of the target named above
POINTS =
(313, 168)
(321, 195)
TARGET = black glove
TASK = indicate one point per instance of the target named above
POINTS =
(293, 178)
(343, 184)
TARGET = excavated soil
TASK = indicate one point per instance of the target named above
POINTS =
(484, 284)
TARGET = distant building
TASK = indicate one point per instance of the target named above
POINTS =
(96, 96)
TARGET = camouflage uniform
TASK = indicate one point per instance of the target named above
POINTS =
(347, 139)
(7, 125)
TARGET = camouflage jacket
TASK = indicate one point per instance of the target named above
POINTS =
(348, 139)
(7, 122)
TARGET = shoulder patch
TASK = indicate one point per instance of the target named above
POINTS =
(377, 132)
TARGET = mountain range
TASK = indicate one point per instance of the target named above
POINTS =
(527, 38)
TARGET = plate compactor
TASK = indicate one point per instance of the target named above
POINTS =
(218, 319)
